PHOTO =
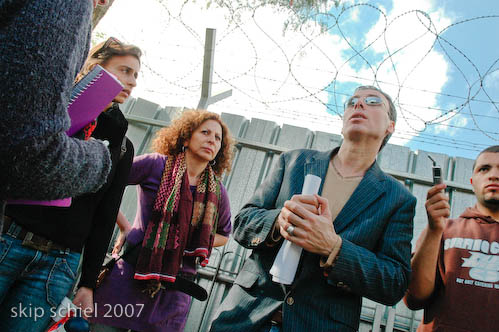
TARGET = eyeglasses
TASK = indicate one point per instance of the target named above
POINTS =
(369, 100)
(106, 46)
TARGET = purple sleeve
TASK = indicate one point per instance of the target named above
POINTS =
(144, 165)
(224, 226)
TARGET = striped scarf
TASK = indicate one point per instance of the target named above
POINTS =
(167, 238)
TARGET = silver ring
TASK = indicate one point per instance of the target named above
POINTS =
(290, 230)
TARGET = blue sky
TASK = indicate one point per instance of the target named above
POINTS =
(479, 41)
(470, 50)
(299, 77)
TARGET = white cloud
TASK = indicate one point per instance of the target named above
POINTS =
(491, 81)
(420, 69)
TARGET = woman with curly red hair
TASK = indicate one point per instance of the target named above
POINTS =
(183, 211)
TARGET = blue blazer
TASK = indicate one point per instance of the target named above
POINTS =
(374, 261)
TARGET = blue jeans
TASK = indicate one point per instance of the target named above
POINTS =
(32, 283)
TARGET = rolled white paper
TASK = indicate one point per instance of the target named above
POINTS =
(286, 262)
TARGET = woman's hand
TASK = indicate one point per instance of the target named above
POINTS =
(84, 299)
(125, 228)
(220, 240)
(120, 241)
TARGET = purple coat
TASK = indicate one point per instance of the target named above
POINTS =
(119, 300)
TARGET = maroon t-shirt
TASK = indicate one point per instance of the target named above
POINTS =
(466, 296)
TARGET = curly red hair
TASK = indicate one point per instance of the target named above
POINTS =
(170, 140)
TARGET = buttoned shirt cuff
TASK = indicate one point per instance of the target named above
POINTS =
(327, 262)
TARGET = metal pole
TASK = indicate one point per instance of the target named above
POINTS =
(209, 57)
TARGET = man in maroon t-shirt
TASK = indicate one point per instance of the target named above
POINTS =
(455, 275)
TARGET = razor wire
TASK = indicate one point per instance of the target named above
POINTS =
(271, 76)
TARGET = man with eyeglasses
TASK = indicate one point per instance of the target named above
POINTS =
(43, 45)
(356, 234)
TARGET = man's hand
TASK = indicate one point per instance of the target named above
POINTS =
(425, 258)
(84, 299)
(437, 207)
(312, 222)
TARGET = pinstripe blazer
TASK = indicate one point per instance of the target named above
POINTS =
(374, 261)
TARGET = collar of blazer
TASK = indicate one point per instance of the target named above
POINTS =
(370, 188)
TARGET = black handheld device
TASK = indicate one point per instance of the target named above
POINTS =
(437, 172)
